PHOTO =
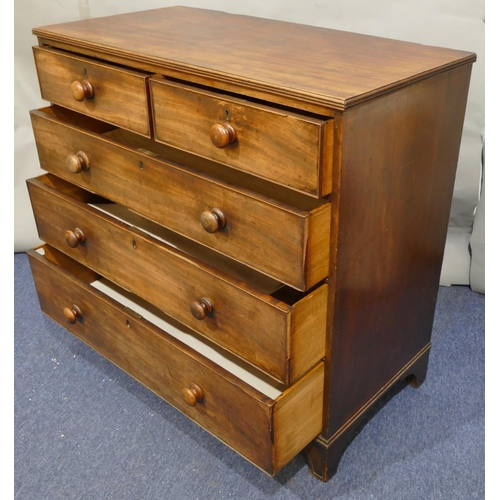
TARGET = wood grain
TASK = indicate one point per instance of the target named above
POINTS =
(298, 415)
(393, 215)
(259, 230)
(277, 145)
(307, 340)
(120, 96)
(243, 316)
(332, 68)
(231, 410)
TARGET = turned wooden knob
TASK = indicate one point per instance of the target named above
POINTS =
(76, 163)
(212, 220)
(71, 313)
(82, 90)
(200, 308)
(222, 134)
(74, 238)
(192, 394)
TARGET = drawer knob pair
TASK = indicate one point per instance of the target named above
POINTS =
(82, 90)
(222, 134)
(77, 163)
(75, 237)
(72, 313)
(213, 220)
(200, 308)
(192, 394)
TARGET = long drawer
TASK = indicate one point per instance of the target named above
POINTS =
(97, 89)
(283, 146)
(277, 329)
(286, 237)
(251, 415)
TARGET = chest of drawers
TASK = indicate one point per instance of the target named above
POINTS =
(247, 216)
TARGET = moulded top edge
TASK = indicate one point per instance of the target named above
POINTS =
(318, 65)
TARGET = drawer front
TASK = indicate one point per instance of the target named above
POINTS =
(281, 338)
(268, 432)
(287, 148)
(116, 95)
(283, 242)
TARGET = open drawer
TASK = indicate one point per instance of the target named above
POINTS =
(248, 412)
(277, 329)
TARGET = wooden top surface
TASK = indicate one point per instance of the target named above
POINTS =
(318, 65)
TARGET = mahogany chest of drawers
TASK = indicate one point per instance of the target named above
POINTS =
(247, 216)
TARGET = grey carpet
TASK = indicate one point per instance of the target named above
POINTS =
(85, 430)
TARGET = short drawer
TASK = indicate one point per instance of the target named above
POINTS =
(265, 424)
(107, 92)
(277, 329)
(286, 237)
(282, 146)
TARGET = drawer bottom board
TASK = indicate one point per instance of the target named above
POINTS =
(253, 417)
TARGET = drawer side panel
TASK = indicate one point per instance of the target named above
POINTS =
(298, 416)
(308, 331)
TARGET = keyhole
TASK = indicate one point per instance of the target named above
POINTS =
(227, 114)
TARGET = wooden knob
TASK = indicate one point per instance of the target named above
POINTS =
(76, 163)
(82, 90)
(72, 313)
(192, 394)
(212, 220)
(222, 134)
(200, 308)
(74, 238)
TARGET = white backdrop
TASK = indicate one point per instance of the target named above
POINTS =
(457, 24)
